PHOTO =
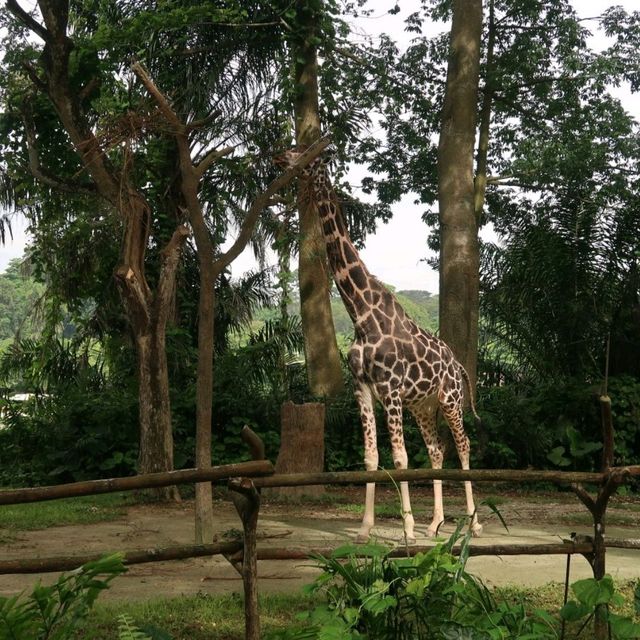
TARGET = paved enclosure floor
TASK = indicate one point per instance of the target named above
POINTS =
(315, 525)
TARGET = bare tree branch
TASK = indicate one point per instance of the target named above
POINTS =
(34, 77)
(203, 122)
(166, 109)
(263, 200)
(28, 20)
(211, 158)
(170, 257)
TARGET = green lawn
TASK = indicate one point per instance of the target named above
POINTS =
(222, 617)
(195, 617)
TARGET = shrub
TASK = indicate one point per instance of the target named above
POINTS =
(54, 612)
(370, 596)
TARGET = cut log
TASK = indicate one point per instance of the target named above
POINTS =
(301, 446)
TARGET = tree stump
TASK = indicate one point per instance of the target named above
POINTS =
(301, 446)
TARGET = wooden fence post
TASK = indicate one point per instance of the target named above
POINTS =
(247, 503)
(612, 479)
(246, 499)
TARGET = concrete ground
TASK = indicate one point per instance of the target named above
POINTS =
(147, 526)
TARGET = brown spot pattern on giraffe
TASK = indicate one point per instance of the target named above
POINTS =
(391, 355)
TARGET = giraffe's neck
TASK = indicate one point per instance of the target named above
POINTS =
(357, 287)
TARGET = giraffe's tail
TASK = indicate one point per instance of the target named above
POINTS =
(482, 435)
(465, 375)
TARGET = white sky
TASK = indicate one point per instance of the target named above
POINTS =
(396, 252)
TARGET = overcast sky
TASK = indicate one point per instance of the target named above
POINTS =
(396, 252)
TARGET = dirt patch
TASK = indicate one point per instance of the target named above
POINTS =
(531, 518)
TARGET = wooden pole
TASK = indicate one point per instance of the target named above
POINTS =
(607, 432)
(246, 499)
(247, 503)
(477, 475)
(145, 481)
(68, 563)
(299, 553)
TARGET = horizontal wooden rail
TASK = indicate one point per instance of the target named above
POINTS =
(262, 473)
(233, 551)
(417, 475)
(559, 548)
(68, 563)
(146, 481)
(398, 475)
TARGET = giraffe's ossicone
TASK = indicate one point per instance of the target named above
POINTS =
(392, 360)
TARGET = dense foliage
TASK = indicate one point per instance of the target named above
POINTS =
(19, 298)
(562, 193)
(369, 595)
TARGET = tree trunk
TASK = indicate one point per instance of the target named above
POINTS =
(459, 249)
(321, 347)
(147, 312)
(301, 445)
(480, 181)
(204, 391)
(148, 317)
(156, 435)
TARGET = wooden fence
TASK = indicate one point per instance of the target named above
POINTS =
(245, 480)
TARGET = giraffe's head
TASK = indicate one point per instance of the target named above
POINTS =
(288, 158)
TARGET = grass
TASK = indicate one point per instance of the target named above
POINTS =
(550, 598)
(381, 510)
(197, 617)
(41, 515)
(222, 617)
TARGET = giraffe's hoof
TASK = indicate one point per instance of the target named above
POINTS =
(362, 538)
(432, 533)
(476, 530)
(408, 540)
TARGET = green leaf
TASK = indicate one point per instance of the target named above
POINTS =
(578, 445)
(573, 611)
(455, 631)
(492, 504)
(592, 592)
(376, 605)
(623, 628)
(351, 615)
(557, 457)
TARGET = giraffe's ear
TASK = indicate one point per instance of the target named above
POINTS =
(283, 159)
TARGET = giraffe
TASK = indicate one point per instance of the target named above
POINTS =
(392, 360)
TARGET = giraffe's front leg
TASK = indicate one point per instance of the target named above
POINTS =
(393, 410)
(364, 398)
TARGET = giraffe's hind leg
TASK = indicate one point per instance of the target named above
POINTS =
(425, 416)
(452, 411)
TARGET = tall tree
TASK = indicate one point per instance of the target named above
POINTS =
(69, 77)
(321, 348)
(459, 248)
(197, 122)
